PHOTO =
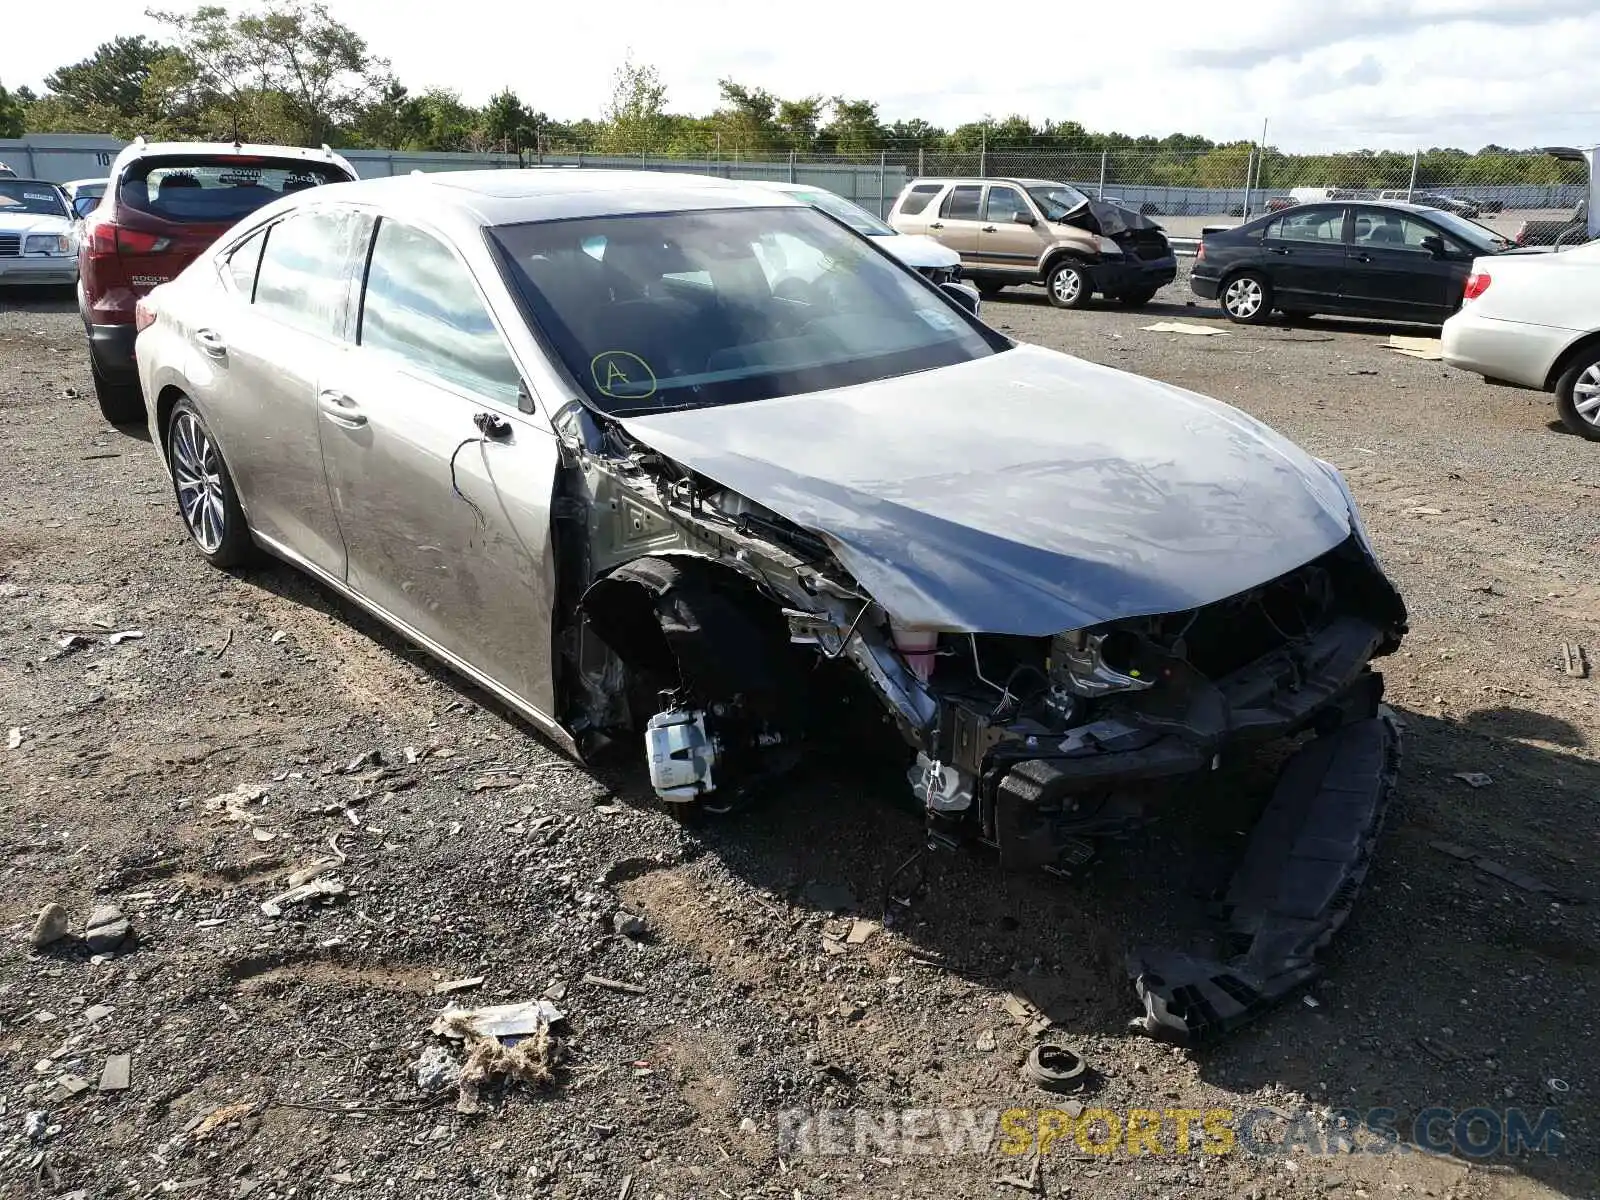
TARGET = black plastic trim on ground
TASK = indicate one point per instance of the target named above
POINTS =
(1294, 888)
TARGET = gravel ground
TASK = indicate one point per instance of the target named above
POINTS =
(276, 1056)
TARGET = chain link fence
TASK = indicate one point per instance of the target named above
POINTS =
(1528, 196)
(1530, 193)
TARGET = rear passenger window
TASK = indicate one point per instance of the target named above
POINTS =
(962, 203)
(1312, 225)
(917, 198)
(420, 306)
(303, 280)
(243, 261)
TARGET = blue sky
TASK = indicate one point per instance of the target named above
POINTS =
(1379, 73)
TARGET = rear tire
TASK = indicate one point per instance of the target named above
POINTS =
(989, 290)
(207, 501)
(1068, 285)
(120, 403)
(1247, 298)
(1578, 395)
(1136, 299)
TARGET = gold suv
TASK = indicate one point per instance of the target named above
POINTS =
(1011, 231)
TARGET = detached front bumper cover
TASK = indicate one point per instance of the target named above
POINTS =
(1294, 888)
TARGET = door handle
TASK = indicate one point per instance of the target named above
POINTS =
(937, 225)
(1277, 250)
(340, 409)
(211, 342)
(1366, 258)
(988, 229)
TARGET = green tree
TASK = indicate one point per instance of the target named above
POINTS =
(747, 118)
(636, 115)
(322, 69)
(11, 114)
(797, 122)
(509, 125)
(854, 126)
(110, 80)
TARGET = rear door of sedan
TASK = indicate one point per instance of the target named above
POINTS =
(1303, 255)
(441, 479)
(267, 346)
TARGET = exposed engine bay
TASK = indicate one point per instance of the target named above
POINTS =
(730, 639)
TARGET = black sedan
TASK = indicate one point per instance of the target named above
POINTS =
(1398, 262)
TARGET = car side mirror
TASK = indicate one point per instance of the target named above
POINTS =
(84, 205)
(1434, 245)
(1024, 218)
(962, 296)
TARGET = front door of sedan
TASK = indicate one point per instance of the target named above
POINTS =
(442, 486)
(958, 221)
(1396, 269)
(268, 346)
(1303, 256)
(1009, 239)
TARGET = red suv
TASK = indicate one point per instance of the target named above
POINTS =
(164, 204)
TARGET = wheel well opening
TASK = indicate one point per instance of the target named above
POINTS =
(165, 402)
(1584, 345)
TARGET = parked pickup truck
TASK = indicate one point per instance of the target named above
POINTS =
(1564, 231)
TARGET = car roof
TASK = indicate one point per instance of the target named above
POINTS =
(164, 149)
(979, 179)
(513, 196)
(35, 182)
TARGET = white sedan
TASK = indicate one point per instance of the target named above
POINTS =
(36, 241)
(1533, 320)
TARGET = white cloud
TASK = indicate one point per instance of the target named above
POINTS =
(1380, 73)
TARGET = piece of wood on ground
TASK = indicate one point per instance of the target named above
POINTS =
(1430, 349)
(1184, 327)
(117, 1074)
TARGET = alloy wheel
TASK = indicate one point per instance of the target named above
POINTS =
(1243, 297)
(1066, 285)
(1586, 395)
(197, 472)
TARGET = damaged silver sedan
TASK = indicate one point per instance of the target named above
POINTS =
(670, 460)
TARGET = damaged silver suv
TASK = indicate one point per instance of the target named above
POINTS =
(677, 460)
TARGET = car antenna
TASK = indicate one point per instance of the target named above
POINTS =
(237, 145)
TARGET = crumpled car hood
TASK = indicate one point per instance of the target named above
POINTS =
(1101, 216)
(1025, 493)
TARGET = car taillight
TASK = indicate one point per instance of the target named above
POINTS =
(108, 239)
(1477, 284)
(1200, 251)
(144, 314)
(137, 241)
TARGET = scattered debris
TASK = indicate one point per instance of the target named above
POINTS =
(1056, 1068)
(223, 649)
(832, 945)
(13, 738)
(556, 991)
(96, 1013)
(1032, 1182)
(124, 635)
(1574, 661)
(986, 1041)
(629, 925)
(72, 642)
(117, 1074)
(860, 931)
(437, 1070)
(1184, 327)
(233, 804)
(614, 985)
(107, 928)
(498, 1020)
(1429, 349)
(1528, 883)
(305, 874)
(298, 895)
(50, 927)
(510, 1040)
(204, 1127)
(277, 638)
(1556, 1089)
(1310, 1001)
(37, 1128)
(67, 1086)
(1474, 779)
(457, 985)
(1423, 510)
